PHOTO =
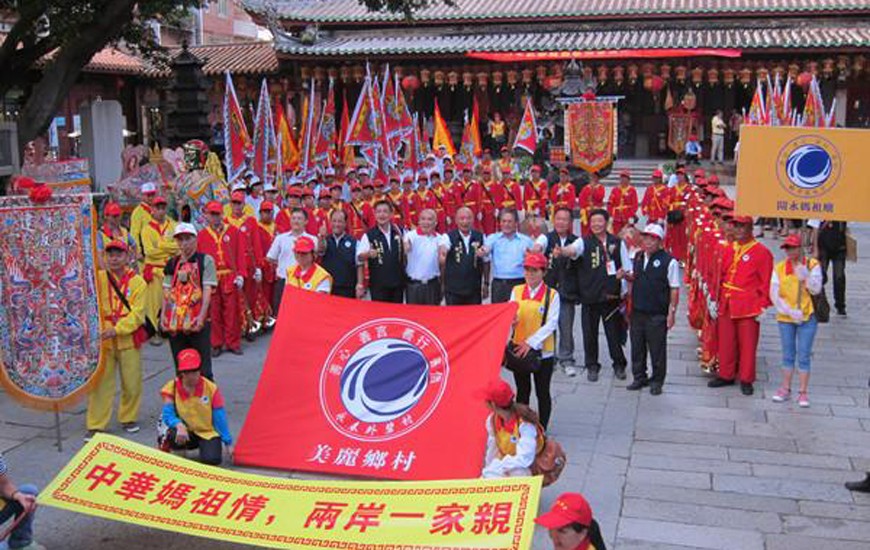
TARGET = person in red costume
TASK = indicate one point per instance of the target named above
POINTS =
(361, 216)
(492, 197)
(622, 203)
(536, 194)
(591, 198)
(470, 195)
(676, 240)
(264, 235)
(223, 243)
(746, 269)
(253, 254)
(656, 200)
(563, 194)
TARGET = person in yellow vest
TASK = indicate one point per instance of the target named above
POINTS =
(535, 329)
(158, 245)
(193, 412)
(121, 296)
(571, 524)
(112, 230)
(306, 274)
(793, 283)
(141, 215)
(514, 433)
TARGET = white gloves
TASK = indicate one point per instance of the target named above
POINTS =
(240, 281)
(258, 275)
(714, 310)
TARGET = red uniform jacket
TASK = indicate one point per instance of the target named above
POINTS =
(622, 204)
(746, 270)
(564, 195)
(513, 195)
(226, 249)
(656, 202)
(536, 197)
(361, 218)
(249, 245)
(282, 220)
(264, 236)
(470, 195)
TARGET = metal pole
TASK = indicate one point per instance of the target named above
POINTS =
(59, 443)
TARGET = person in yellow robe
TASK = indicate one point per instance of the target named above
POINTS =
(159, 245)
(121, 296)
(141, 215)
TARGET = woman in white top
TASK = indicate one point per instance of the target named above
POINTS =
(514, 435)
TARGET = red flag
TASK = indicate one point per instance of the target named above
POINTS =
(346, 151)
(264, 137)
(527, 133)
(289, 149)
(442, 133)
(236, 139)
(375, 389)
(324, 146)
(360, 131)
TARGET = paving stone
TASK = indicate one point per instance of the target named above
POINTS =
(692, 480)
(713, 498)
(833, 510)
(765, 522)
(680, 450)
(831, 492)
(631, 544)
(674, 422)
(829, 528)
(809, 474)
(803, 542)
(692, 535)
(639, 460)
(790, 459)
(724, 440)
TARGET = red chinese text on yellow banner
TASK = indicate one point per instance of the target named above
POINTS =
(116, 479)
(590, 134)
(378, 389)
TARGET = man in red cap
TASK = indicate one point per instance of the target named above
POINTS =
(450, 197)
(282, 216)
(264, 235)
(563, 194)
(745, 273)
(676, 240)
(158, 245)
(318, 219)
(505, 164)
(591, 198)
(535, 195)
(571, 524)
(470, 195)
(141, 215)
(223, 243)
(121, 295)
(306, 274)
(622, 203)
(492, 198)
(359, 213)
(395, 197)
(249, 246)
(656, 200)
(112, 230)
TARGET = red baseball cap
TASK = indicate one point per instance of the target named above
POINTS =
(536, 260)
(657, 173)
(303, 245)
(237, 196)
(324, 194)
(498, 391)
(117, 245)
(267, 206)
(569, 508)
(356, 187)
(743, 220)
(294, 192)
(713, 179)
(189, 360)
(159, 200)
(214, 207)
(112, 209)
(700, 173)
(307, 192)
(625, 173)
(792, 241)
(535, 167)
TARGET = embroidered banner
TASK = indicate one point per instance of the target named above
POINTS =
(49, 316)
(589, 134)
(115, 479)
(680, 127)
(377, 389)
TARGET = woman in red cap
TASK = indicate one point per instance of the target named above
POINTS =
(535, 329)
(193, 412)
(306, 274)
(571, 524)
(794, 280)
(514, 434)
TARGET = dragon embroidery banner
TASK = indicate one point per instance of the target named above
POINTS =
(49, 316)
(589, 132)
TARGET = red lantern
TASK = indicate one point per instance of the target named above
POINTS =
(804, 80)
(410, 83)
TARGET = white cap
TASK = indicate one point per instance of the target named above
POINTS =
(269, 187)
(239, 186)
(329, 172)
(184, 229)
(149, 187)
(655, 230)
(363, 172)
(255, 180)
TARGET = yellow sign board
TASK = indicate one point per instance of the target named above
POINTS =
(804, 173)
(116, 479)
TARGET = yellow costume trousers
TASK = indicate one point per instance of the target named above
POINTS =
(154, 299)
(129, 363)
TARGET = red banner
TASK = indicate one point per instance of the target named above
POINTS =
(680, 126)
(374, 389)
(589, 134)
(513, 57)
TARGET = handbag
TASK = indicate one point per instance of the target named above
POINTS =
(531, 363)
(144, 332)
(550, 461)
(676, 216)
(821, 306)
(851, 248)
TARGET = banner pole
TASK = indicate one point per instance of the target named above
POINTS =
(59, 443)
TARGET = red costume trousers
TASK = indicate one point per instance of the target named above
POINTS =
(676, 241)
(738, 343)
(226, 322)
(263, 306)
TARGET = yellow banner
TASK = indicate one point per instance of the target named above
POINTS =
(116, 479)
(804, 173)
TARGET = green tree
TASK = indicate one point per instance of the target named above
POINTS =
(51, 41)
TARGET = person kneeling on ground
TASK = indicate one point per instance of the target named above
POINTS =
(514, 434)
(18, 503)
(571, 525)
(193, 409)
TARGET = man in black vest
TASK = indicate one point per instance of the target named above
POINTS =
(466, 275)
(603, 259)
(339, 258)
(562, 274)
(382, 247)
(655, 293)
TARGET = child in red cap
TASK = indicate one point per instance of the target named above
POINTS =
(514, 434)
(571, 525)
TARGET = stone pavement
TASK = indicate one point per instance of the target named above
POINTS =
(692, 468)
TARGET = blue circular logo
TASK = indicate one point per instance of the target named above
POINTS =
(808, 166)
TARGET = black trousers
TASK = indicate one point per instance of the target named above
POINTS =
(502, 288)
(394, 295)
(590, 317)
(542, 389)
(425, 294)
(838, 259)
(200, 341)
(210, 450)
(346, 291)
(453, 299)
(277, 295)
(649, 334)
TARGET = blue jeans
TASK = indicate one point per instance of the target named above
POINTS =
(797, 342)
(22, 535)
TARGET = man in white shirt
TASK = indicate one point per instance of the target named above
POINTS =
(281, 252)
(422, 250)
(717, 152)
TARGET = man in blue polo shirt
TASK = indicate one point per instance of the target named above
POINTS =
(505, 251)
(16, 502)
